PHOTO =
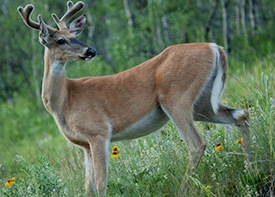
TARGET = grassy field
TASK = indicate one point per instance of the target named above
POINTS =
(45, 164)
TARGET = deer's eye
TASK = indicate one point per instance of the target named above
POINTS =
(61, 41)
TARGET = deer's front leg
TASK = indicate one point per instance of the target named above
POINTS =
(100, 156)
(89, 175)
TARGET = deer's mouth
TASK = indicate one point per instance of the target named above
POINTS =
(89, 54)
(83, 57)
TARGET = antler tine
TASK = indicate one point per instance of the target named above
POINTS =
(71, 10)
(25, 14)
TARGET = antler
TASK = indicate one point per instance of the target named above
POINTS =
(25, 14)
(72, 10)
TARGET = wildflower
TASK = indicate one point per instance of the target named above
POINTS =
(238, 141)
(224, 101)
(115, 152)
(10, 182)
(115, 149)
(115, 155)
(219, 147)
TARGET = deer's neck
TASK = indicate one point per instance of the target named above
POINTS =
(54, 84)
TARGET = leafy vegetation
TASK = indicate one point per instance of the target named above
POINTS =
(45, 164)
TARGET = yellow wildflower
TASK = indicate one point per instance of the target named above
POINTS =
(238, 141)
(115, 152)
(219, 147)
(10, 182)
(115, 155)
(115, 149)
(224, 101)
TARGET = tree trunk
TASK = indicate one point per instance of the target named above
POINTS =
(209, 22)
(35, 71)
(238, 19)
(251, 15)
(99, 35)
(226, 38)
(254, 15)
(6, 93)
(130, 16)
(243, 22)
(156, 28)
(166, 30)
(90, 26)
(257, 19)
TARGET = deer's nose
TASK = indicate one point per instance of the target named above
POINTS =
(91, 52)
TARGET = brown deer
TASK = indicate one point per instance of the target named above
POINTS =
(184, 83)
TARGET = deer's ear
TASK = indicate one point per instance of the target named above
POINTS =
(44, 36)
(77, 25)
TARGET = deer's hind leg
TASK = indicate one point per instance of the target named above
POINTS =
(225, 115)
(178, 108)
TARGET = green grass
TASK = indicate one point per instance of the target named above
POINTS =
(45, 164)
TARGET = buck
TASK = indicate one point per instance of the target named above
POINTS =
(184, 83)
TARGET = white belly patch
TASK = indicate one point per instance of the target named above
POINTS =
(146, 125)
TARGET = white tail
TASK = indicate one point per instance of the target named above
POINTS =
(183, 83)
(218, 83)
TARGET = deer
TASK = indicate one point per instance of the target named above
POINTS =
(183, 83)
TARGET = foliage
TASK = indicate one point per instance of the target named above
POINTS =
(156, 24)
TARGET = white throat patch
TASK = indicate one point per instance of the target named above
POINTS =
(57, 68)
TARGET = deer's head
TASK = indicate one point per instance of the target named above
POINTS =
(62, 43)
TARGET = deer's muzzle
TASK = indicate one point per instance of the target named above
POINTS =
(90, 52)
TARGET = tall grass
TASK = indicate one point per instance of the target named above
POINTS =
(44, 164)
